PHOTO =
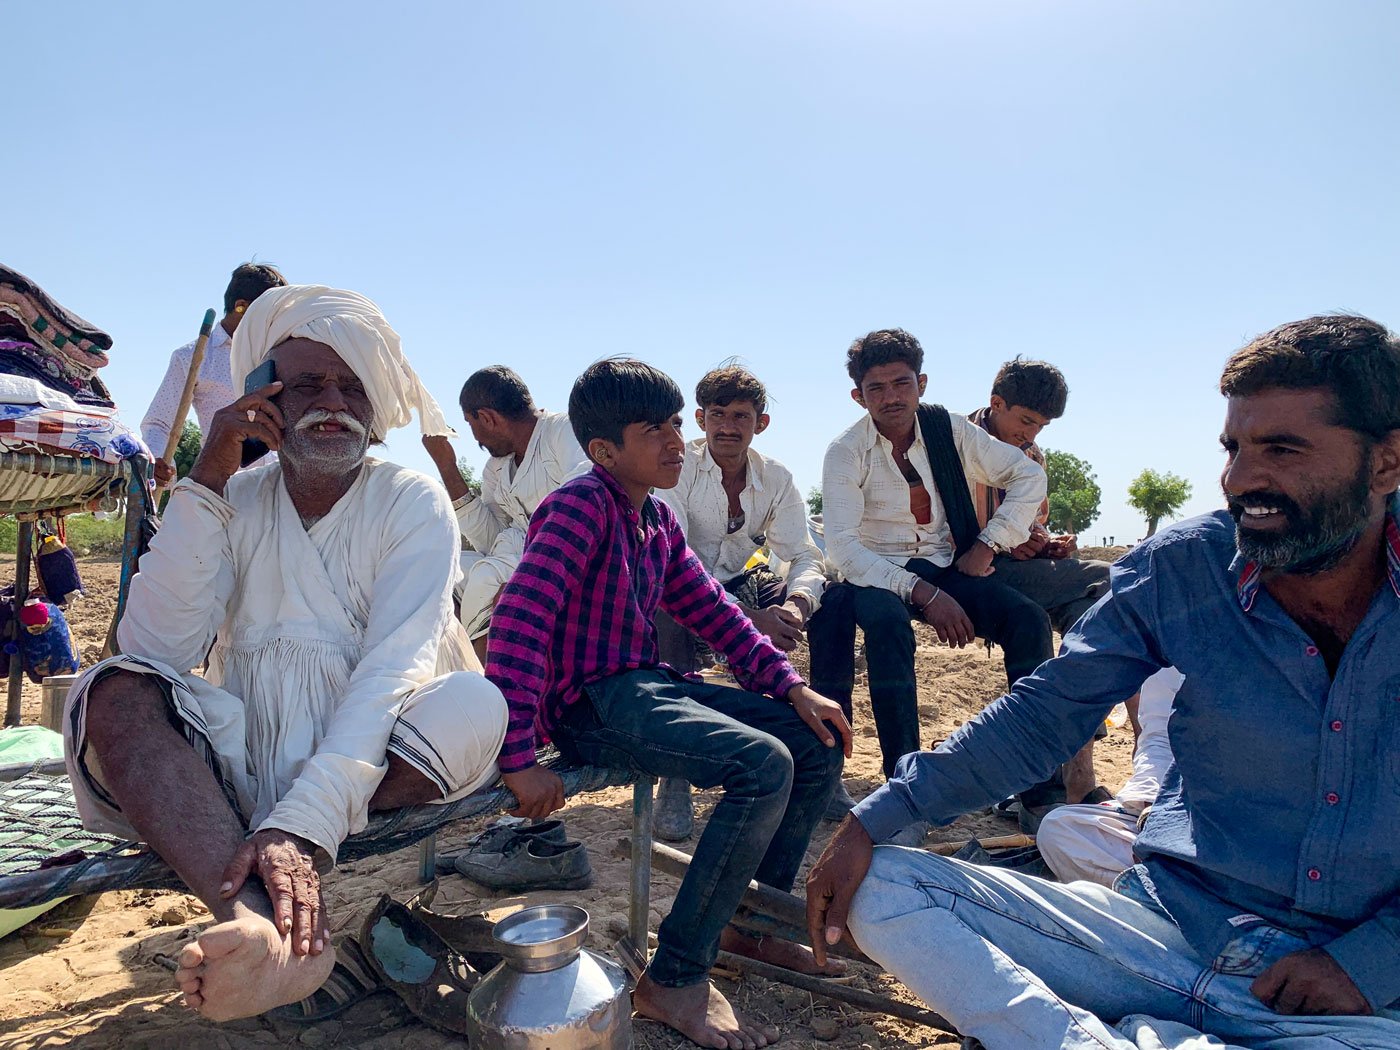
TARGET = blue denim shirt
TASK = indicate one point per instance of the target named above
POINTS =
(1283, 805)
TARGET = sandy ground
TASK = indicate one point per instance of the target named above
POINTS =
(83, 974)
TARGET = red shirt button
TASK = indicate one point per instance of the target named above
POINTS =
(1337, 726)
(1333, 798)
(1314, 874)
(1311, 650)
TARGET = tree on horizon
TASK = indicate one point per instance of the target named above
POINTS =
(1158, 496)
(1073, 491)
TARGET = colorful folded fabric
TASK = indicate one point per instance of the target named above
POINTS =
(23, 358)
(47, 321)
(92, 431)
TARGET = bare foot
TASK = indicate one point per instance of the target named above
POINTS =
(701, 1014)
(244, 967)
(787, 954)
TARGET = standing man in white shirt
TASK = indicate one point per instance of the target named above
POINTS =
(731, 501)
(214, 387)
(532, 452)
(907, 546)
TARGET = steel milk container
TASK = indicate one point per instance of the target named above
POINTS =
(549, 993)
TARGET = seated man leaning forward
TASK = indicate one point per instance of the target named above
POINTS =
(338, 676)
(1265, 910)
(532, 452)
(1027, 396)
(573, 644)
(730, 501)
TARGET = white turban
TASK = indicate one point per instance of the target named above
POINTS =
(354, 328)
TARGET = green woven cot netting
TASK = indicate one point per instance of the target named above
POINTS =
(45, 853)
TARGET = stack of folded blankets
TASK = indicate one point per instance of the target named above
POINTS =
(42, 340)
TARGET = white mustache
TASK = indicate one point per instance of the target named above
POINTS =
(318, 416)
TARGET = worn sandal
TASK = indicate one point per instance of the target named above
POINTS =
(352, 980)
(469, 934)
(418, 966)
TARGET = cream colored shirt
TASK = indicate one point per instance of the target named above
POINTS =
(495, 521)
(775, 516)
(871, 532)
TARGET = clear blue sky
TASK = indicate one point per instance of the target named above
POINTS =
(1127, 189)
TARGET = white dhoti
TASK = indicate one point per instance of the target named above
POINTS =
(1093, 843)
(449, 729)
(483, 576)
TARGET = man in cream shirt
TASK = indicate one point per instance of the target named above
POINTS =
(731, 501)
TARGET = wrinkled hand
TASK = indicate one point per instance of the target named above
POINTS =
(977, 561)
(439, 447)
(285, 863)
(222, 454)
(781, 623)
(816, 710)
(1032, 548)
(1062, 547)
(538, 791)
(949, 621)
(832, 884)
(1309, 982)
(164, 473)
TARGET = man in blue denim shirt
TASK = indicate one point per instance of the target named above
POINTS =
(1265, 910)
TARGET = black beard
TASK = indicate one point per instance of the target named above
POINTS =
(1316, 539)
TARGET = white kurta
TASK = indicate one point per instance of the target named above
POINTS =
(495, 522)
(775, 516)
(320, 638)
(213, 390)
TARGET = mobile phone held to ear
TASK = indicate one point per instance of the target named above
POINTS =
(265, 373)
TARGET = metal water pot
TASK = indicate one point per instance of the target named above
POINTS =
(549, 993)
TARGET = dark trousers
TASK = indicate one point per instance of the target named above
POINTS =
(758, 588)
(998, 613)
(1066, 588)
(777, 779)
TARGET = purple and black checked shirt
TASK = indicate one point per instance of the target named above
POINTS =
(580, 605)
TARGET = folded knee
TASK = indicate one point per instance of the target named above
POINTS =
(763, 768)
(119, 701)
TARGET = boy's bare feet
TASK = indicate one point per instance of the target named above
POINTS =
(243, 967)
(779, 952)
(701, 1014)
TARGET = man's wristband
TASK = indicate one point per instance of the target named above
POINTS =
(932, 599)
(462, 500)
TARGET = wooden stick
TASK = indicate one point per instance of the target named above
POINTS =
(947, 849)
(856, 997)
(172, 441)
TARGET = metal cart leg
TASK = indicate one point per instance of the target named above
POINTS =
(23, 560)
(639, 913)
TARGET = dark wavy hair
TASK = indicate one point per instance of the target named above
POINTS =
(883, 347)
(616, 392)
(1355, 358)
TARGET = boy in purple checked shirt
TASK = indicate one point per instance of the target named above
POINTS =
(573, 646)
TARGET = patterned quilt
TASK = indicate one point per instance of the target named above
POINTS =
(86, 431)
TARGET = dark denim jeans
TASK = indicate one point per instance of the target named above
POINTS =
(777, 779)
(998, 613)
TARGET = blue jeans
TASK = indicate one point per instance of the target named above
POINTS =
(1025, 964)
(777, 779)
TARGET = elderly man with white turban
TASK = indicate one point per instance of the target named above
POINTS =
(338, 681)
